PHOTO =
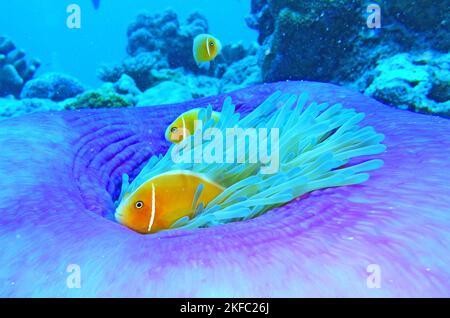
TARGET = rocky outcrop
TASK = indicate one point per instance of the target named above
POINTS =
(329, 41)
(15, 69)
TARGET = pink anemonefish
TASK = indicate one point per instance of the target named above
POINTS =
(205, 49)
(164, 199)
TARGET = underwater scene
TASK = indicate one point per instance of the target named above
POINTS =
(217, 149)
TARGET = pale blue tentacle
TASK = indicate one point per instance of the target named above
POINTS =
(316, 145)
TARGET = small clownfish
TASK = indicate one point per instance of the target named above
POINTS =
(164, 199)
(185, 125)
(205, 49)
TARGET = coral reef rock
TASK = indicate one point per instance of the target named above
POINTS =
(54, 86)
(235, 52)
(243, 73)
(104, 97)
(126, 86)
(416, 82)
(10, 107)
(202, 86)
(160, 51)
(329, 41)
(143, 69)
(427, 18)
(15, 70)
(165, 93)
(181, 89)
(165, 34)
(157, 42)
(297, 35)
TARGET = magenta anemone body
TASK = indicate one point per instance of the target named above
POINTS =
(60, 173)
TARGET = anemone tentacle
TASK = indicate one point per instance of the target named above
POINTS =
(317, 141)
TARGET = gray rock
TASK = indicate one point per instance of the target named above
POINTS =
(243, 73)
(165, 93)
(15, 70)
(126, 86)
(54, 86)
(419, 82)
(328, 40)
(141, 68)
(10, 107)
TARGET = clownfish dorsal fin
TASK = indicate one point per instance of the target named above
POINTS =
(207, 47)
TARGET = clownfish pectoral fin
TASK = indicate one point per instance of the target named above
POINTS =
(204, 65)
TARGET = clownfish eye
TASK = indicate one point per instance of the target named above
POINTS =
(174, 130)
(139, 205)
(211, 43)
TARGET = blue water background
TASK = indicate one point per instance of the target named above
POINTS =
(39, 27)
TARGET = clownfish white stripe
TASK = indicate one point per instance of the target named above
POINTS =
(153, 212)
(207, 47)
(184, 128)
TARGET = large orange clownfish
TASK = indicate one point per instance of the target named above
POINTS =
(164, 199)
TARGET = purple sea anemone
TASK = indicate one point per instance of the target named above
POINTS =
(60, 173)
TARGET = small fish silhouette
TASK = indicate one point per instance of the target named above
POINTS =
(96, 4)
